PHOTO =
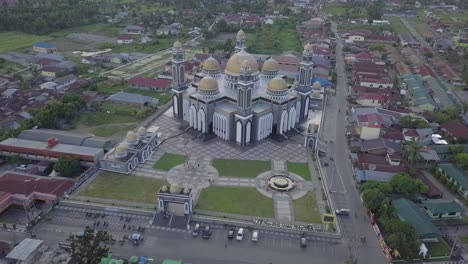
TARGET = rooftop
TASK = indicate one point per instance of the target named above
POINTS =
(455, 173)
(45, 45)
(60, 148)
(131, 98)
(64, 137)
(16, 183)
(408, 211)
(442, 206)
(24, 249)
(456, 128)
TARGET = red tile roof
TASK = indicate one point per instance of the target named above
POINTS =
(21, 184)
(149, 82)
(363, 56)
(411, 133)
(373, 159)
(456, 128)
(393, 136)
(124, 37)
(371, 96)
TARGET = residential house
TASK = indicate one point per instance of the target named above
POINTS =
(443, 151)
(374, 82)
(372, 175)
(134, 29)
(65, 81)
(370, 99)
(51, 71)
(380, 146)
(173, 29)
(424, 135)
(409, 212)
(124, 39)
(44, 47)
(145, 83)
(146, 40)
(133, 99)
(321, 70)
(48, 86)
(456, 175)
(421, 98)
(9, 93)
(456, 129)
(439, 93)
(442, 209)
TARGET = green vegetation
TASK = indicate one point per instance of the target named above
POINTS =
(306, 209)
(112, 113)
(163, 97)
(117, 186)
(359, 26)
(396, 25)
(105, 29)
(464, 239)
(342, 10)
(17, 40)
(274, 39)
(89, 247)
(438, 249)
(68, 166)
(241, 168)
(301, 169)
(169, 160)
(110, 130)
(244, 201)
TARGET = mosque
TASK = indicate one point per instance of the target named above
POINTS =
(245, 103)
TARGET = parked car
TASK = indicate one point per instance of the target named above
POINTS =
(303, 241)
(196, 230)
(240, 234)
(206, 233)
(230, 234)
(22, 167)
(255, 236)
(342, 212)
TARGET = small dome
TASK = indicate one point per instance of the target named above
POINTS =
(270, 65)
(122, 148)
(131, 135)
(177, 44)
(186, 190)
(164, 188)
(211, 64)
(174, 189)
(241, 33)
(233, 65)
(277, 85)
(208, 84)
(317, 85)
(141, 131)
(308, 47)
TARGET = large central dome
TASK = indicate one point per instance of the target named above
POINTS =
(233, 65)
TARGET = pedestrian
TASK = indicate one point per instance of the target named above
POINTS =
(225, 245)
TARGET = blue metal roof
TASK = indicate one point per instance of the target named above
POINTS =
(323, 82)
(44, 45)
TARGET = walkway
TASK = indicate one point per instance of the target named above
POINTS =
(283, 209)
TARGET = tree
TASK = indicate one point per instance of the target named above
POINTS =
(382, 186)
(464, 107)
(90, 247)
(404, 183)
(462, 160)
(373, 199)
(396, 82)
(68, 166)
(334, 77)
(411, 152)
(403, 237)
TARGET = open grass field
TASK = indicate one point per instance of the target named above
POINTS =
(438, 249)
(306, 209)
(274, 39)
(116, 186)
(112, 130)
(241, 168)
(341, 10)
(16, 40)
(243, 201)
(396, 25)
(163, 97)
(301, 169)
(359, 26)
(105, 29)
(111, 114)
(168, 161)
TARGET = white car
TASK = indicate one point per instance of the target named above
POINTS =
(240, 234)
(22, 167)
(255, 236)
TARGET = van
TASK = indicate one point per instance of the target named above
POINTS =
(255, 236)
(342, 212)
(240, 234)
(196, 230)
(206, 232)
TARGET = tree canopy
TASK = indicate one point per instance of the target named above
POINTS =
(404, 183)
(462, 160)
(411, 151)
(68, 166)
(90, 247)
(408, 121)
(403, 237)
(382, 186)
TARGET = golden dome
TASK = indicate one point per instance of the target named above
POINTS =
(122, 148)
(141, 131)
(186, 191)
(177, 44)
(317, 85)
(308, 47)
(233, 65)
(270, 65)
(245, 64)
(164, 188)
(211, 64)
(277, 84)
(241, 33)
(131, 135)
(174, 189)
(208, 84)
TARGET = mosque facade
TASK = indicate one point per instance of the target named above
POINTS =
(244, 103)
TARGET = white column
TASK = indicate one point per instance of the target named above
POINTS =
(258, 128)
(228, 129)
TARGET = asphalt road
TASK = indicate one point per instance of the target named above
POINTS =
(341, 184)
(180, 244)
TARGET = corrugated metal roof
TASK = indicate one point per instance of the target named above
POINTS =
(408, 211)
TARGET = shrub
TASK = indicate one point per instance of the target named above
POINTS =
(454, 188)
(443, 180)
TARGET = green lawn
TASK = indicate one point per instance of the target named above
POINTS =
(158, 44)
(342, 10)
(111, 130)
(306, 209)
(241, 168)
(123, 187)
(360, 26)
(16, 40)
(111, 113)
(163, 97)
(168, 161)
(274, 39)
(301, 169)
(244, 201)
(105, 29)
(438, 249)
(396, 25)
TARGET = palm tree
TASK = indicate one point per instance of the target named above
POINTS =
(412, 150)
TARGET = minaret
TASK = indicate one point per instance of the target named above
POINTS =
(243, 116)
(244, 87)
(179, 83)
(304, 85)
(240, 41)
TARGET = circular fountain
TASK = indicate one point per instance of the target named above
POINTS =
(281, 183)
